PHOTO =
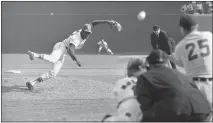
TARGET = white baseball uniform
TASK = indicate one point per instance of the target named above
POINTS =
(127, 110)
(102, 44)
(76, 39)
(130, 107)
(59, 52)
(194, 53)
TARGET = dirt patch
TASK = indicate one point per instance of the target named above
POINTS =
(76, 94)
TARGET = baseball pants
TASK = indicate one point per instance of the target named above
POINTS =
(57, 58)
(206, 89)
(101, 47)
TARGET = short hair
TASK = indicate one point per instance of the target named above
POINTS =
(157, 56)
(156, 27)
(136, 64)
(187, 22)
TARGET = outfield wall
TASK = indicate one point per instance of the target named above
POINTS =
(29, 24)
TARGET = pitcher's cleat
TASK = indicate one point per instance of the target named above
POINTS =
(31, 55)
(29, 86)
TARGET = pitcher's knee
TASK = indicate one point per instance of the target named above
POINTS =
(48, 75)
(54, 60)
(52, 73)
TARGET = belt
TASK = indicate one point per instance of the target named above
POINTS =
(202, 79)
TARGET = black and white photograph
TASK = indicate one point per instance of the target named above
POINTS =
(106, 61)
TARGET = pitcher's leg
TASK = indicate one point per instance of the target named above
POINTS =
(58, 65)
(47, 75)
(53, 57)
(46, 57)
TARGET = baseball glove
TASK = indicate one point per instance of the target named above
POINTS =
(116, 25)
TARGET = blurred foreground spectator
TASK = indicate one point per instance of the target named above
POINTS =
(166, 95)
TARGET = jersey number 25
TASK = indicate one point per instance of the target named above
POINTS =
(192, 55)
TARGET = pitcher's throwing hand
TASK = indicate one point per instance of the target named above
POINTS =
(68, 46)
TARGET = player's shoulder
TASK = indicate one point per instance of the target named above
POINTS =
(206, 33)
(152, 34)
(162, 31)
(77, 31)
(75, 34)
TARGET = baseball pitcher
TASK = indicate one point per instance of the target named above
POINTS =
(68, 46)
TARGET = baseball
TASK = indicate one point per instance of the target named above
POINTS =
(141, 15)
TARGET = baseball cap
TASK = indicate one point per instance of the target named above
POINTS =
(187, 22)
(157, 56)
(87, 28)
(156, 27)
(136, 64)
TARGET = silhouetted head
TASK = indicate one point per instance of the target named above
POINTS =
(156, 29)
(135, 67)
(187, 24)
(158, 58)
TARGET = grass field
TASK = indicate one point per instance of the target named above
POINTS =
(76, 94)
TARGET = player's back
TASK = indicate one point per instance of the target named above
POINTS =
(197, 54)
